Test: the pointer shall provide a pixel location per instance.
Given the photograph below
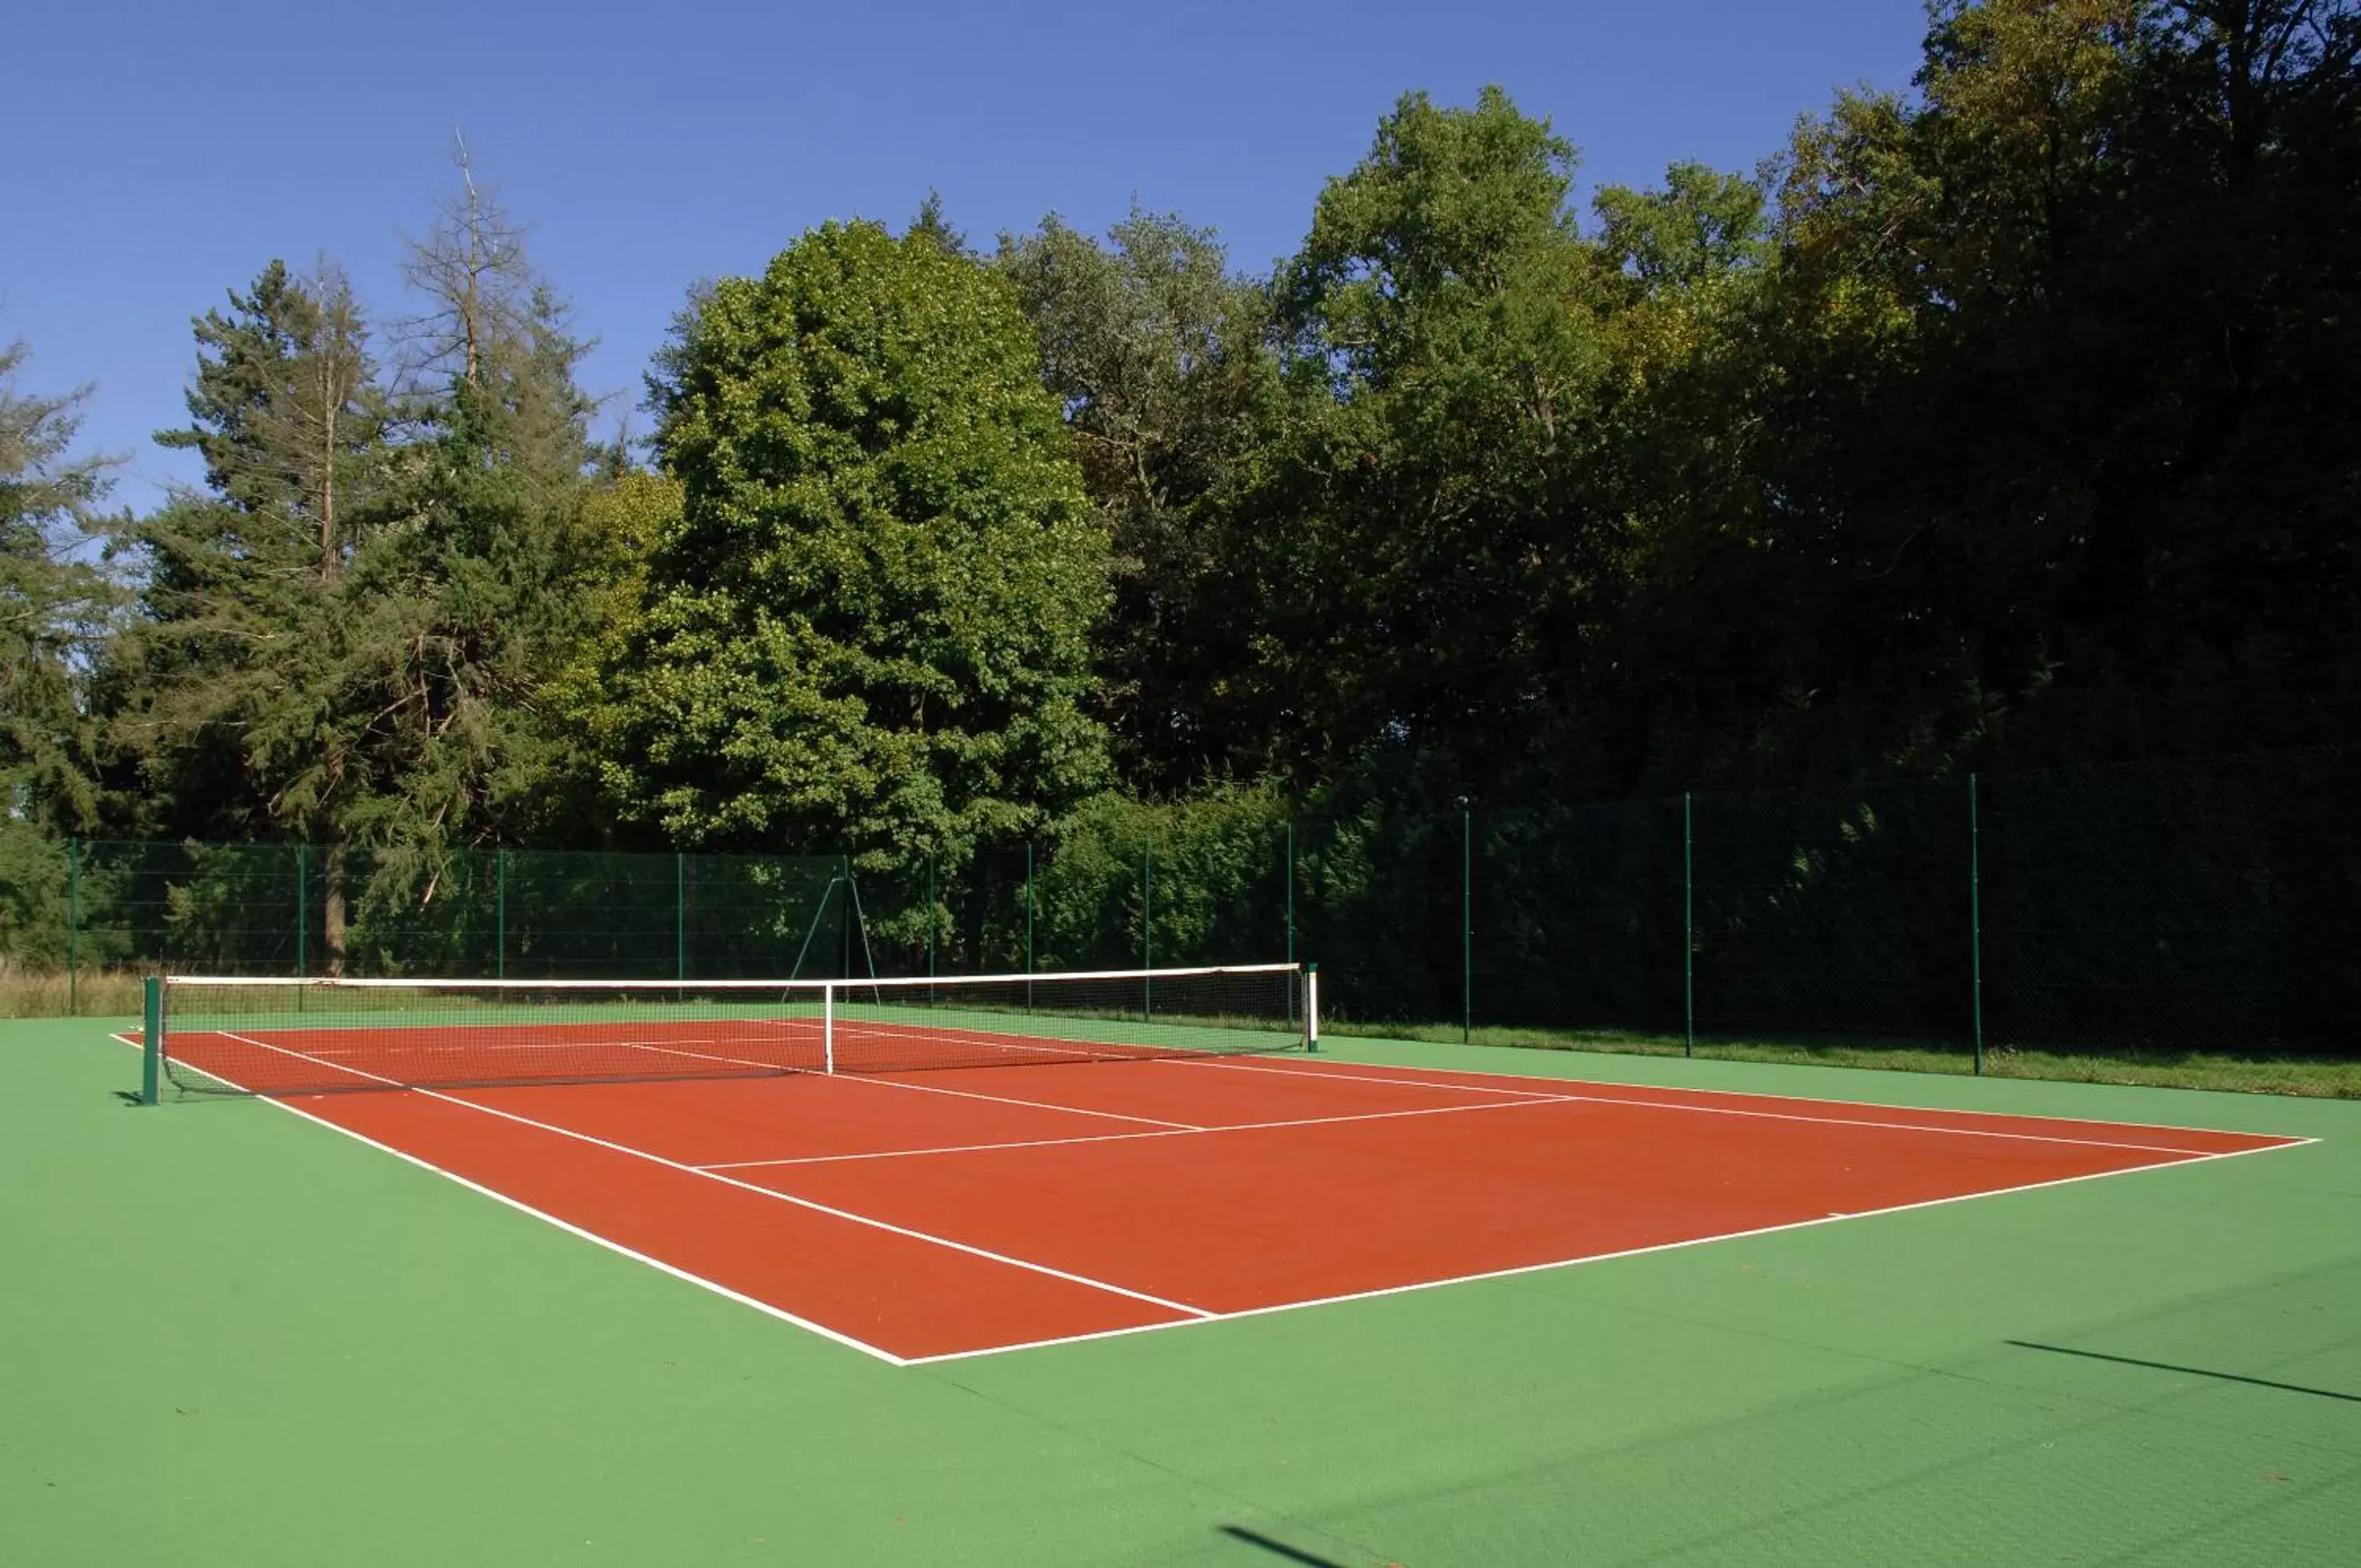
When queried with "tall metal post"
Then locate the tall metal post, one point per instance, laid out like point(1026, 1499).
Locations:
point(1688, 924)
point(680, 915)
point(1290, 891)
point(303, 909)
point(500, 914)
point(931, 917)
point(1028, 923)
point(1291, 905)
point(1976, 921)
point(1146, 928)
point(73, 927)
point(1466, 926)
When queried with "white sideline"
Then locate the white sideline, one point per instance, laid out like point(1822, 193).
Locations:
point(1766, 1116)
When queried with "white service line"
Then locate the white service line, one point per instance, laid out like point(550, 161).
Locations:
point(1771, 1115)
point(1163, 1133)
point(1004, 1100)
point(885, 1225)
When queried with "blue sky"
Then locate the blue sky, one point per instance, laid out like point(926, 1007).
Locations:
point(162, 153)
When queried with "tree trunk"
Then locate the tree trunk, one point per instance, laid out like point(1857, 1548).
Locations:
point(332, 909)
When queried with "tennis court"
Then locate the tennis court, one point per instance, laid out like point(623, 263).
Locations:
point(1703, 1326)
point(800, 1150)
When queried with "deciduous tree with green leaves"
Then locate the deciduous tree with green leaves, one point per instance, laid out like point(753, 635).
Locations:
point(1158, 355)
point(870, 623)
point(1433, 541)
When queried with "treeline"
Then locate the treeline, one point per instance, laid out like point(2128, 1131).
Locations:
point(2005, 422)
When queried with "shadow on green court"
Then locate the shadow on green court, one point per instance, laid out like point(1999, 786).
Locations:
point(2189, 1371)
point(1280, 1548)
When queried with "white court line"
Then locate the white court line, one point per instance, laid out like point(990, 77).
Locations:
point(1785, 1116)
point(1271, 1064)
point(1525, 1105)
point(571, 1229)
point(1004, 1100)
point(889, 1226)
point(1277, 1307)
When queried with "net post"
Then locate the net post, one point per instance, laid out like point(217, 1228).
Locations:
point(933, 917)
point(73, 927)
point(1312, 1009)
point(1147, 929)
point(1688, 923)
point(1976, 923)
point(152, 1040)
point(1028, 924)
point(680, 915)
point(828, 1026)
point(500, 913)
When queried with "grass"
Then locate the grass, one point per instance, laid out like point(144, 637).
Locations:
point(51, 993)
point(2312, 1077)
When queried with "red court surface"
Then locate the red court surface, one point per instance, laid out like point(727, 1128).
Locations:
point(938, 1214)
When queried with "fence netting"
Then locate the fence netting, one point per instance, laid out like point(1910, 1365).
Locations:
point(2212, 905)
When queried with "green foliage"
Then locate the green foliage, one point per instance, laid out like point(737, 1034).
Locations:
point(1158, 355)
point(350, 634)
point(1208, 869)
point(1432, 546)
point(52, 603)
point(871, 622)
point(1701, 225)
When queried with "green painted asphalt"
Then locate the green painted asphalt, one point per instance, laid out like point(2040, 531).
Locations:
point(229, 1336)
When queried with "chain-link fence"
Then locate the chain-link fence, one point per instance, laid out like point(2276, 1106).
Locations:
point(2199, 905)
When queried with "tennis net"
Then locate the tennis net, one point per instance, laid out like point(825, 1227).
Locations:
point(214, 1035)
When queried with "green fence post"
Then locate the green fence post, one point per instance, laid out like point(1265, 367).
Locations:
point(1146, 928)
point(1028, 923)
point(1688, 924)
point(73, 927)
point(1466, 926)
point(680, 914)
point(499, 915)
point(931, 916)
point(1290, 891)
point(1290, 903)
point(152, 1040)
point(1976, 922)
point(302, 910)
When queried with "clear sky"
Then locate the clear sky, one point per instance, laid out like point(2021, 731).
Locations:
point(159, 154)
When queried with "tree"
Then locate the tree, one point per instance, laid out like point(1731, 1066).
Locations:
point(220, 691)
point(54, 610)
point(868, 625)
point(352, 635)
point(1156, 354)
point(1433, 544)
